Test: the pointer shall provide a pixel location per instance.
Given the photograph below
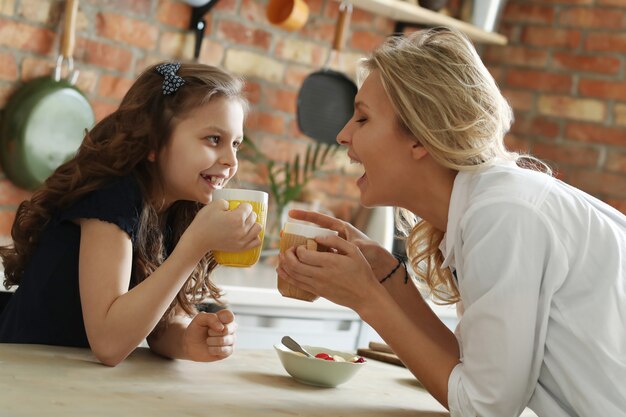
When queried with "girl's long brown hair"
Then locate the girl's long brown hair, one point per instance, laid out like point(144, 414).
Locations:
point(119, 146)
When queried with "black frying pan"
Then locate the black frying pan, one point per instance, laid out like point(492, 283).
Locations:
point(45, 120)
point(326, 98)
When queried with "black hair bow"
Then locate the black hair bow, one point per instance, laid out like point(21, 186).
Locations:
point(172, 82)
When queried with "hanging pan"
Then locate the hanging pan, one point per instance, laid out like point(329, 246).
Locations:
point(45, 120)
point(326, 98)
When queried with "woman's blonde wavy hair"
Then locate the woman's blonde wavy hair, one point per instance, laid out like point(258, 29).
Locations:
point(445, 97)
point(119, 146)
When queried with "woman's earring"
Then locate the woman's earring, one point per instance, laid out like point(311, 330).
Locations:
point(151, 156)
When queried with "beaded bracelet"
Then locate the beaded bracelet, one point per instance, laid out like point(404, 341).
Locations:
point(395, 268)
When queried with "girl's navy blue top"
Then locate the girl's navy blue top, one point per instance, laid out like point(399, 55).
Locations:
point(46, 308)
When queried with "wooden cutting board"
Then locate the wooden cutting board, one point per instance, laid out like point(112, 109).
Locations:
point(380, 352)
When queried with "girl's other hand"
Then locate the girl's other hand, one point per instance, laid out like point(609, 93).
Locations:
point(210, 336)
point(379, 259)
point(217, 228)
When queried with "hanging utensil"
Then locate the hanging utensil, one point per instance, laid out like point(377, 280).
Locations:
point(45, 120)
point(197, 22)
point(326, 98)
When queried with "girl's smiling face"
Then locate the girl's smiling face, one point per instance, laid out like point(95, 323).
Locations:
point(375, 139)
point(201, 154)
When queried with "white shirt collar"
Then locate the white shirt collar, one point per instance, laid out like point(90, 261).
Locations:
point(458, 205)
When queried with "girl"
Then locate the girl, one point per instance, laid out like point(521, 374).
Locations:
point(537, 268)
point(116, 245)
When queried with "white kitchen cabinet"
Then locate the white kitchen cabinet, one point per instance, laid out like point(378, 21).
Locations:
point(264, 316)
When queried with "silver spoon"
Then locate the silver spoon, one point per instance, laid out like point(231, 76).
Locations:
point(293, 345)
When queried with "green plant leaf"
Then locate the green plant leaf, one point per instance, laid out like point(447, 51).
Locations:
point(296, 170)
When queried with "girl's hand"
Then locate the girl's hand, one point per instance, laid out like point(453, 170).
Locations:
point(344, 277)
point(217, 228)
point(380, 260)
point(210, 337)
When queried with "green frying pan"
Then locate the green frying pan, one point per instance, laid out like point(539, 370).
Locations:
point(44, 122)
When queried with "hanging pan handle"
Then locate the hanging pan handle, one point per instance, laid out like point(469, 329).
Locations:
point(343, 22)
point(68, 42)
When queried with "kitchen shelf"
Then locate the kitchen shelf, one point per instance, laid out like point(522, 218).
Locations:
point(403, 11)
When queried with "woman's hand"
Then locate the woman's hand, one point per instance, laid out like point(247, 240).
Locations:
point(344, 277)
point(380, 260)
point(210, 337)
point(217, 228)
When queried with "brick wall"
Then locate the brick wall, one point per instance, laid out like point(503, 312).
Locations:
point(563, 72)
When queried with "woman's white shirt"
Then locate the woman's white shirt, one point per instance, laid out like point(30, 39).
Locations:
point(541, 269)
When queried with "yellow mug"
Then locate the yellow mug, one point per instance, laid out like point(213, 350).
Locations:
point(258, 201)
point(296, 234)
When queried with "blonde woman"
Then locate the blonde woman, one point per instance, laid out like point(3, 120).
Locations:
point(537, 268)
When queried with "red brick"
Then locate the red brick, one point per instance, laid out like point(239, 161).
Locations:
point(281, 99)
point(366, 41)
point(618, 3)
point(517, 55)
point(26, 37)
point(528, 13)
point(226, 6)
point(140, 7)
point(114, 87)
point(36, 67)
point(618, 203)
point(315, 7)
point(46, 12)
point(103, 55)
point(572, 108)
point(126, 30)
point(539, 80)
point(87, 80)
point(519, 100)
point(244, 35)
point(586, 63)
point(516, 143)
point(103, 108)
point(266, 122)
point(603, 89)
point(319, 30)
point(550, 37)
point(606, 41)
point(253, 92)
point(171, 13)
point(536, 126)
point(11, 195)
point(7, 217)
point(564, 154)
point(592, 18)
point(599, 183)
point(295, 75)
point(616, 162)
point(572, 2)
point(253, 11)
point(280, 150)
point(8, 67)
point(250, 172)
point(211, 53)
point(589, 132)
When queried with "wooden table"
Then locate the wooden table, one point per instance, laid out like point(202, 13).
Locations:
point(57, 381)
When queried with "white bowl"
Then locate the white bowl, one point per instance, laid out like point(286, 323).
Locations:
point(318, 372)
